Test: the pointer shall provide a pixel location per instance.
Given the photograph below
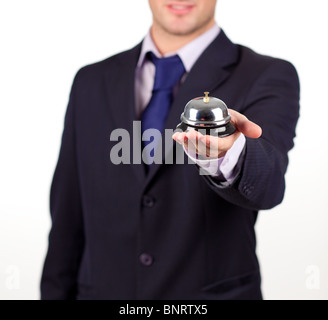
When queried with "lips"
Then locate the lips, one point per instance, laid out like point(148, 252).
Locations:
point(180, 8)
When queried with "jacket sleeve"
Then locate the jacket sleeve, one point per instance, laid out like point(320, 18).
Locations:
point(66, 238)
point(272, 103)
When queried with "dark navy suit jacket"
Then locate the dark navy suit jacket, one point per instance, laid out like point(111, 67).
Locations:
point(118, 233)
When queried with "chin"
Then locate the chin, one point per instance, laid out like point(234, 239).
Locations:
point(181, 29)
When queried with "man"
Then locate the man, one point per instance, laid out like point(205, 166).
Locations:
point(160, 231)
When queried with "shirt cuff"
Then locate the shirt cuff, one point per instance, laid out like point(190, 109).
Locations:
point(222, 168)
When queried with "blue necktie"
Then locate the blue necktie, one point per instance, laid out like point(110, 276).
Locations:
point(168, 73)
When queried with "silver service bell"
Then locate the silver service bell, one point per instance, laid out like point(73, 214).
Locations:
point(207, 113)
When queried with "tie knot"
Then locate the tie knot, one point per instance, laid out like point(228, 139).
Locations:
point(169, 70)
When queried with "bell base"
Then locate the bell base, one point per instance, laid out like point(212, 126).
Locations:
point(221, 131)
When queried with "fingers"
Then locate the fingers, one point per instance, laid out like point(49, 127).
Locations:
point(219, 143)
point(206, 146)
point(188, 139)
point(194, 141)
point(179, 137)
point(247, 127)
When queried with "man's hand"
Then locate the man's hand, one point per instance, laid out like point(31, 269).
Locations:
point(211, 147)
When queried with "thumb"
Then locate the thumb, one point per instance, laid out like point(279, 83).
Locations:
point(245, 126)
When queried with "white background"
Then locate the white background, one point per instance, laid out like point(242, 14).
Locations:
point(43, 43)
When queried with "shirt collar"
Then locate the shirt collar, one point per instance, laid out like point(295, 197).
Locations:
point(188, 53)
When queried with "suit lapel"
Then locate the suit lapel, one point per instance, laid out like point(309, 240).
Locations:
point(208, 73)
point(120, 87)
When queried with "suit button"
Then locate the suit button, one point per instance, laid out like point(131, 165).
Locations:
point(148, 201)
point(146, 259)
point(245, 189)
